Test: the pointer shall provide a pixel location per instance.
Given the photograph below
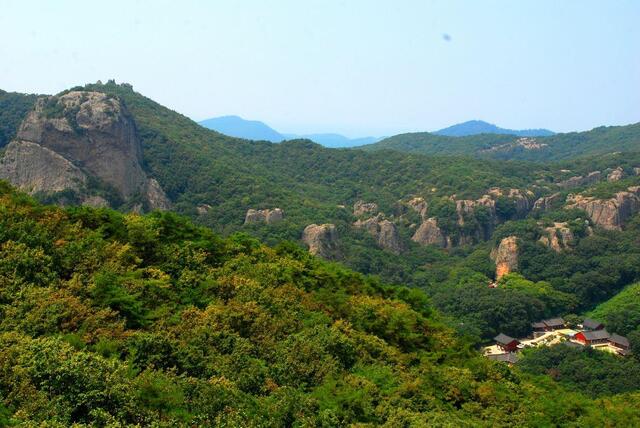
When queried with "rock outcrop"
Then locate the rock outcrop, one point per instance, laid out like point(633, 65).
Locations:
point(557, 237)
point(361, 208)
point(547, 203)
point(420, 206)
point(608, 213)
point(506, 256)
point(578, 181)
point(430, 234)
point(615, 175)
point(37, 169)
point(268, 216)
point(384, 231)
point(83, 134)
point(322, 240)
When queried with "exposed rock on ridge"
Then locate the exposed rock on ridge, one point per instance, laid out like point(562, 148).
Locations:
point(268, 216)
point(608, 213)
point(430, 234)
point(557, 237)
point(506, 256)
point(384, 231)
point(96, 136)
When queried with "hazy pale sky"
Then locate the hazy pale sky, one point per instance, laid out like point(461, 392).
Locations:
point(359, 67)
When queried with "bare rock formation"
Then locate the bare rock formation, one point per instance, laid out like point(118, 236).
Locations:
point(578, 181)
point(608, 213)
point(91, 134)
point(36, 169)
point(420, 206)
point(384, 231)
point(557, 237)
point(322, 240)
point(430, 234)
point(203, 209)
point(361, 208)
point(547, 203)
point(506, 256)
point(615, 175)
point(268, 216)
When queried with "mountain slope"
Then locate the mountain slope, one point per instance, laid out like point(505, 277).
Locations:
point(557, 147)
point(474, 127)
point(236, 126)
point(13, 108)
point(335, 140)
point(115, 319)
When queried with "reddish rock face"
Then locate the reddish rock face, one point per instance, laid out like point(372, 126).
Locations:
point(506, 256)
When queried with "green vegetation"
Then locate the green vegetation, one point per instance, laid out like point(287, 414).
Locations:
point(594, 372)
point(13, 108)
point(621, 313)
point(114, 319)
point(598, 141)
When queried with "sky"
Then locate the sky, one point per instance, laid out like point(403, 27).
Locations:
point(358, 67)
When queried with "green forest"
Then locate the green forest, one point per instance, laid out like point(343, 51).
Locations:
point(113, 319)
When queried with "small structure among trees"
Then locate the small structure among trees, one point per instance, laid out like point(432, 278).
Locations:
point(589, 324)
point(506, 343)
point(550, 324)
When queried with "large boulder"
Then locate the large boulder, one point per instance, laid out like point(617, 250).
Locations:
point(430, 234)
point(322, 240)
point(506, 256)
point(557, 237)
point(384, 231)
point(608, 213)
point(96, 137)
point(361, 208)
point(268, 216)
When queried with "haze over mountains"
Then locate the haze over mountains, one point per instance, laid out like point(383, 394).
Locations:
point(474, 127)
point(235, 126)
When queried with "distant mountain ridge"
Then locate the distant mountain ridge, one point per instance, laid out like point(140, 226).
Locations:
point(235, 126)
point(475, 127)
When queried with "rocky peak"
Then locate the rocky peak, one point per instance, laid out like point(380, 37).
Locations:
point(89, 134)
point(361, 208)
point(384, 231)
point(268, 216)
point(322, 240)
point(608, 213)
point(579, 180)
point(506, 256)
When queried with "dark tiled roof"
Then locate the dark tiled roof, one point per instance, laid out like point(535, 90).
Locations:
point(538, 325)
point(619, 340)
point(591, 324)
point(596, 335)
point(504, 339)
point(510, 357)
point(553, 322)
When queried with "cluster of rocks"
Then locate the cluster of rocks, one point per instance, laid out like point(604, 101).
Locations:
point(69, 139)
point(361, 208)
point(557, 237)
point(268, 216)
point(384, 231)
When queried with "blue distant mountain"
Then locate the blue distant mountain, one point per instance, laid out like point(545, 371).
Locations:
point(236, 126)
point(474, 127)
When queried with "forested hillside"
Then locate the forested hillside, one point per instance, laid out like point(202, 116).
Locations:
point(13, 108)
point(543, 148)
point(113, 319)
